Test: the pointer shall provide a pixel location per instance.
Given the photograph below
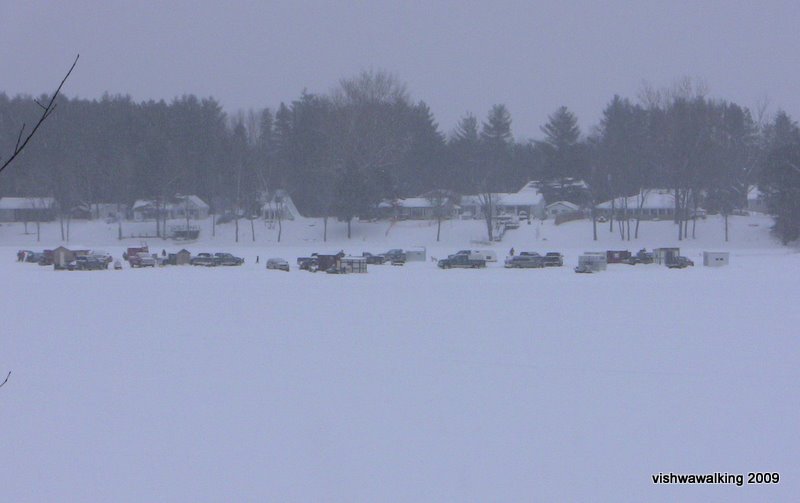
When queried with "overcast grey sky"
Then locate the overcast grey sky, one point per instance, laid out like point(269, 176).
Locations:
point(456, 56)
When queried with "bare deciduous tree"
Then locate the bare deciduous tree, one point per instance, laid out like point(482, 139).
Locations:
point(47, 110)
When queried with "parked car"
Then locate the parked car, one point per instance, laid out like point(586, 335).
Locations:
point(117, 265)
point(308, 264)
point(46, 258)
point(395, 256)
point(461, 261)
point(553, 259)
point(680, 262)
point(641, 257)
point(142, 259)
point(278, 264)
point(525, 262)
point(583, 269)
point(227, 259)
point(601, 219)
point(101, 255)
point(374, 259)
point(34, 257)
point(88, 263)
point(205, 259)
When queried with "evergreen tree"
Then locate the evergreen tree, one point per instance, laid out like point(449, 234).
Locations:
point(780, 178)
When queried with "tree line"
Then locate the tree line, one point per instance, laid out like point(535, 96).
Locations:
point(339, 154)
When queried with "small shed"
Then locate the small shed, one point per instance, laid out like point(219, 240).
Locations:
point(715, 259)
point(418, 254)
point(596, 261)
point(62, 256)
point(183, 257)
point(664, 256)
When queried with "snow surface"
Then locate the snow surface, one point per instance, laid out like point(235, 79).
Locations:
point(404, 384)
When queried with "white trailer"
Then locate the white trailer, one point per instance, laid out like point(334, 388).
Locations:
point(715, 259)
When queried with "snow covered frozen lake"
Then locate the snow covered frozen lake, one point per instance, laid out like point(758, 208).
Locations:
point(405, 384)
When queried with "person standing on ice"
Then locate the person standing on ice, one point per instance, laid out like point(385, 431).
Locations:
point(511, 251)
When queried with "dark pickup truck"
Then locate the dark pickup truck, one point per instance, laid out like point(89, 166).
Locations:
point(204, 259)
point(460, 261)
point(227, 259)
point(680, 262)
point(553, 259)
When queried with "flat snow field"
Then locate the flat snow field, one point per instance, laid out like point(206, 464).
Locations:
point(406, 384)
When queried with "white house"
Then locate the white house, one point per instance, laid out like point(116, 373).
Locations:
point(560, 208)
point(415, 208)
point(27, 209)
point(178, 207)
point(653, 204)
point(280, 204)
point(755, 200)
point(528, 199)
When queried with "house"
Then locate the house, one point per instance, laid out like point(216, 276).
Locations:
point(27, 209)
point(527, 201)
point(756, 201)
point(552, 210)
point(100, 211)
point(649, 204)
point(178, 207)
point(418, 208)
point(279, 206)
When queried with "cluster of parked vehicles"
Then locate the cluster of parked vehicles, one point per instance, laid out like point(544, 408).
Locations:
point(217, 259)
point(340, 263)
point(533, 260)
point(83, 260)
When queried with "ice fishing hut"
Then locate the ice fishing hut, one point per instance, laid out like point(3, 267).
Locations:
point(715, 259)
point(665, 256)
point(62, 256)
point(353, 264)
point(416, 254)
point(596, 261)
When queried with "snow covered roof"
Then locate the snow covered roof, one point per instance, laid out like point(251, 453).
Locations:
point(653, 199)
point(414, 202)
point(26, 203)
point(142, 203)
point(409, 202)
point(528, 195)
point(753, 194)
point(195, 201)
point(568, 204)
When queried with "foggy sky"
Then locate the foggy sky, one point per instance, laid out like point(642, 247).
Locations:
point(456, 56)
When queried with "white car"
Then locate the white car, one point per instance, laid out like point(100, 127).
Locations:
point(278, 263)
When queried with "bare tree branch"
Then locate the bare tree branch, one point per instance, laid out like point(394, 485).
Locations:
point(3, 383)
point(51, 105)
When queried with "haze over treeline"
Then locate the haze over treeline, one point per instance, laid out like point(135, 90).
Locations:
point(341, 153)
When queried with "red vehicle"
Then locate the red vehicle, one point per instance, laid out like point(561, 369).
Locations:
point(133, 252)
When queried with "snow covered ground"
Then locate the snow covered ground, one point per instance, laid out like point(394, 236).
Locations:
point(405, 384)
